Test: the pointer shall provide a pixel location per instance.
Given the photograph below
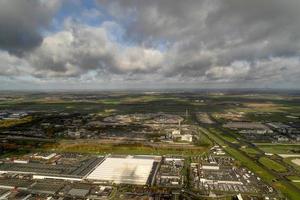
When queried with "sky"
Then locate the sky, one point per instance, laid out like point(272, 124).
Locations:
point(143, 44)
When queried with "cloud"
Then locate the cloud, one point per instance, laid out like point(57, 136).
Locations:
point(205, 37)
point(21, 23)
point(91, 13)
point(12, 66)
point(79, 49)
point(236, 70)
point(142, 42)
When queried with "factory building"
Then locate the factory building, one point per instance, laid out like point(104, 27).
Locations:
point(124, 170)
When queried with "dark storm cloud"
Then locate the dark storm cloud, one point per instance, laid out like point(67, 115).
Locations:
point(228, 30)
point(21, 22)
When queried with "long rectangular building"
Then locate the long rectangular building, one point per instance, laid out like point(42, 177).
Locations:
point(124, 170)
point(75, 171)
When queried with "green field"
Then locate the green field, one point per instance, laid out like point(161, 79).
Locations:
point(285, 187)
point(279, 148)
point(133, 149)
point(265, 175)
point(289, 161)
point(229, 138)
point(271, 164)
point(250, 151)
point(14, 122)
point(226, 137)
point(203, 140)
point(242, 158)
point(294, 178)
point(256, 107)
point(297, 184)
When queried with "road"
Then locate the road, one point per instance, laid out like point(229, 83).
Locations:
point(292, 190)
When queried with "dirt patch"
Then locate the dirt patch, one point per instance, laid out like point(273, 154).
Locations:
point(296, 161)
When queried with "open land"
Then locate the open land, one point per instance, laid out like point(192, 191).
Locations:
point(200, 142)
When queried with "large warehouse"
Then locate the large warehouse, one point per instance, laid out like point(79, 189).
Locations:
point(124, 170)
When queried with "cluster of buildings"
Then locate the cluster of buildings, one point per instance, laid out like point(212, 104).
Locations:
point(152, 126)
point(267, 132)
point(147, 118)
point(77, 176)
point(170, 173)
point(158, 127)
point(23, 187)
point(44, 125)
point(251, 127)
point(176, 135)
point(215, 174)
point(52, 175)
point(12, 115)
point(286, 132)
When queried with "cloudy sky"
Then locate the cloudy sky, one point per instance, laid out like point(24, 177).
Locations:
point(124, 44)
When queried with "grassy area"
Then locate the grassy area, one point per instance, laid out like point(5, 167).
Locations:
point(280, 148)
point(291, 178)
point(273, 116)
point(203, 140)
point(138, 99)
point(295, 178)
point(289, 161)
point(247, 162)
point(289, 191)
point(229, 138)
point(250, 151)
point(285, 187)
point(224, 136)
point(15, 153)
point(113, 193)
point(242, 158)
point(133, 149)
point(14, 122)
point(297, 184)
point(271, 164)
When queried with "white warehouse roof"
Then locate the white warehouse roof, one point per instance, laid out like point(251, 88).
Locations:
point(128, 170)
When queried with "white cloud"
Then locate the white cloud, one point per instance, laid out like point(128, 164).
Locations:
point(79, 49)
point(144, 43)
point(12, 66)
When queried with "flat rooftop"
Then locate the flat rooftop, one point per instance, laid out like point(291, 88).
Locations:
point(124, 170)
point(245, 125)
point(78, 169)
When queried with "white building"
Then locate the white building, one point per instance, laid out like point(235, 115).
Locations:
point(210, 167)
point(187, 137)
point(176, 134)
point(44, 157)
point(128, 170)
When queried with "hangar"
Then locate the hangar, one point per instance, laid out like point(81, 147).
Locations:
point(124, 170)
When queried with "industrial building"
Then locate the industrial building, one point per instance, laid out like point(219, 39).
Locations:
point(63, 167)
point(245, 125)
point(125, 170)
point(136, 170)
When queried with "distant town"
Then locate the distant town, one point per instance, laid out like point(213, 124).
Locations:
point(175, 145)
